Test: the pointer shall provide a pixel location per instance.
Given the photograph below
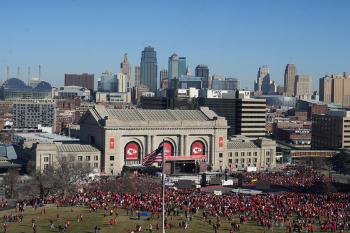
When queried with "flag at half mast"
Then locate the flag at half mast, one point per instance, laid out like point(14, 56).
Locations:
point(155, 156)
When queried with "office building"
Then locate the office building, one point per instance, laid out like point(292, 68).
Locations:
point(81, 80)
point(149, 68)
point(192, 138)
point(176, 66)
point(203, 71)
point(32, 115)
point(331, 131)
point(303, 86)
point(262, 83)
point(225, 84)
point(72, 92)
point(45, 156)
point(164, 79)
point(245, 153)
point(107, 82)
point(245, 117)
point(125, 69)
point(137, 76)
point(113, 97)
point(289, 79)
point(185, 82)
point(335, 89)
point(122, 81)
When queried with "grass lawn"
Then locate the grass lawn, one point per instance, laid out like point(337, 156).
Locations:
point(124, 223)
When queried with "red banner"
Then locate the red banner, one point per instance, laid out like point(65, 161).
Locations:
point(168, 149)
point(111, 143)
point(132, 151)
point(197, 148)
point(221, 142)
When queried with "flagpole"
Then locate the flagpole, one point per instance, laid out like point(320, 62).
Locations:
point(163, 189)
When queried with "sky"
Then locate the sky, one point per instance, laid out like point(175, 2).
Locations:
point(232, 37)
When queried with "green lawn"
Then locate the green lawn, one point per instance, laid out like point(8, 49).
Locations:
point(123, 225)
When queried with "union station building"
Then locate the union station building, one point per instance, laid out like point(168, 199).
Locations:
point(193, 139)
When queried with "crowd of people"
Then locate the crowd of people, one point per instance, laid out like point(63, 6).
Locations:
point(289, 177)
point(293, 212)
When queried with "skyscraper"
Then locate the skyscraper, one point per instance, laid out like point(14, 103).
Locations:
point(164, 78)
point(149, 68)
point(289, 79)
point(125, 68)
point(137, 76)
point(107, 82)
point(335, 89)
point(122, 82)
point(263, 82)
point(303, 86)
point(203, 71)
point(176, 66)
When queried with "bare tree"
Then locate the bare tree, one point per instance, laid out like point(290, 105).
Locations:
point(11, 182)
point(62, 176)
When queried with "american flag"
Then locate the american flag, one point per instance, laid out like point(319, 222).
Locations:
point(153, 157)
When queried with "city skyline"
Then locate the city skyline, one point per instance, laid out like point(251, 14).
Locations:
point(88, 39)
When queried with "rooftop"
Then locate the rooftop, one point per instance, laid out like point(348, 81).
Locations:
point(76, 148)
point(45, 137)
point(155, 115)
point(238, 144)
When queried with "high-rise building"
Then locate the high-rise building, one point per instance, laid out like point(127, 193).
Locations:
point(303, 86)
point(330, 131)
point(81, 80)
point(225, 84)
point(125, 68)
point(203, 71)
point(289, 79)
point(335, 89)
point(137, 76)
point(122, 82)
point(34, 115)
point(263, 82)
point(107, 82)
point(149, 68)
point(244, 116)
point(164, 79)
point(176, 66)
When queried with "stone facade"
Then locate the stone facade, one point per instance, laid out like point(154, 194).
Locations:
point(46, 155)
point(243, 152)
point(197, 136)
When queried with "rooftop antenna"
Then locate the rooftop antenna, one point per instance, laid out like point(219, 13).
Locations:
point(18, 72)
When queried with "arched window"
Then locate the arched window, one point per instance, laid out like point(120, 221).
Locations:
point(132, 151)
point(168, 148)
point(197, 148)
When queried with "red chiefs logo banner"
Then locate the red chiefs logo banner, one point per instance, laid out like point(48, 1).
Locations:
point(168, 149)
point(197, 148)
point(132, 151)
point(221, 142)
point(111, 143)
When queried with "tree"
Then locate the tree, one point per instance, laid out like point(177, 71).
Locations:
point(11, 181)
point(62, 176)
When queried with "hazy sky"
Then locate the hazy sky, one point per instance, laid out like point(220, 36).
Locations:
point(232, 37)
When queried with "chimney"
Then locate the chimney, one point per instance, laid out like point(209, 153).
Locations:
point(29, 74)
point(7, 72)
point(39, 72)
